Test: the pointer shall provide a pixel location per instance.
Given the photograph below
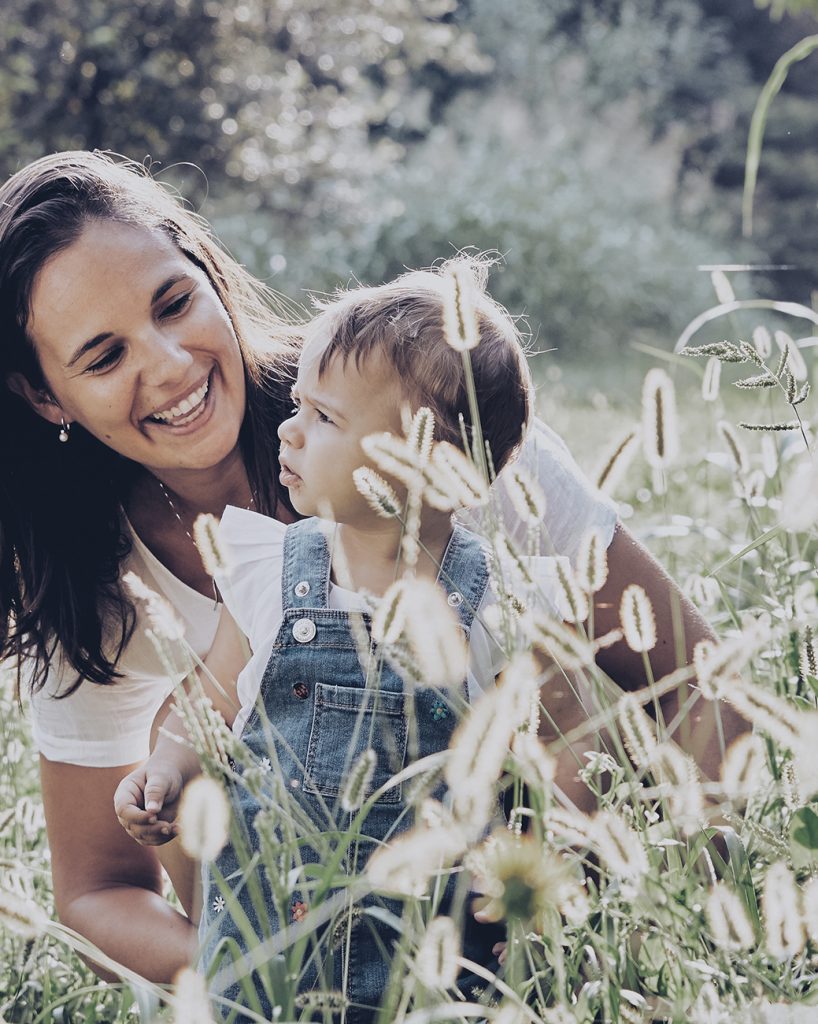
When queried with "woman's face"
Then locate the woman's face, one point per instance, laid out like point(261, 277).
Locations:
point(137, 348)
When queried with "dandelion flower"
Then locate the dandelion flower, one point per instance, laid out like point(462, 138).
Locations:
point(379, 494)
point(206, 539)
point(730, 928)
point(204, 819)
point(783, 923)
point(359, 780)
point(660, 437)
point(637, 618)
point(436, 961)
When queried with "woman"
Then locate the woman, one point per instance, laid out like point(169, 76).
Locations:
point(146, 377)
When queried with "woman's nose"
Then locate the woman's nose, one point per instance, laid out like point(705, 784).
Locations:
point(166, 360)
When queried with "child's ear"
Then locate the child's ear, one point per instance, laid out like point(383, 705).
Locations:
point(39, 399)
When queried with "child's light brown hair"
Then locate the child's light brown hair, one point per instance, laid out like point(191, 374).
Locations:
point(404, 320)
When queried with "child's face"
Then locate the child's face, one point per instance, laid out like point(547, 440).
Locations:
point(320, 443)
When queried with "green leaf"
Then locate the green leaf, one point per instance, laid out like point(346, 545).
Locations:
point(804, 838)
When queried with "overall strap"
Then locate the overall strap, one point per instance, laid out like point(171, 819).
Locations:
point(464, 573)
point(305, 576)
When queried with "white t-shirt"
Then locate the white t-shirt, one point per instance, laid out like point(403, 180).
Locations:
point(101, 726)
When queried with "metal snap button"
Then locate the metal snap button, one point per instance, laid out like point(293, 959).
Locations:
point(454, 599)
point(301, 691)
point(304, 630)
point(302, 589)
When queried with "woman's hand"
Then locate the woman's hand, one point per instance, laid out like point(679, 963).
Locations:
point(146, 801)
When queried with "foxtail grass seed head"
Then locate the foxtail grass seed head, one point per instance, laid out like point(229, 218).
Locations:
point(678, 778)
point(805, 755)
point(389, 620)
point(436, 961)
point(783, 924)
point(190, 1001)
point(460, 326)
point(762, 339)
point(638, 732)
point(380, 495)
point(452, 480)
point(768, 712)
point(561, 643)
point(592, 562)
point(394, 456)
point(526, 495)
point(537, 766)
point(162, 619)
point(722, 287)
point(573, 828)
point(711, 379)
point(660, 432)
point(572, 600)
point(421, 434)
point(206, 539)
point(738, 453)
point(406, 865)
point(809, 901)
point(789, 786)
point(744, 768)
point(204, 819)
point(619, 847)
point(617, 461)
point(476, 755)
point(359, 781)
point(328, 1000)
point(795, 360)
point(435, 637)
point(20, 915)
point(799, 502)
point(730, 928)
point(769, 455)
point(637, 619)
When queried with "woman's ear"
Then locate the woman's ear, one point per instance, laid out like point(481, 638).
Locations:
point(39, 399)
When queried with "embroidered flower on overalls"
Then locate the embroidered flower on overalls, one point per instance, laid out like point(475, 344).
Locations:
point(299, 910)
point(218, 904)
point(439, 709)
point(266, 764)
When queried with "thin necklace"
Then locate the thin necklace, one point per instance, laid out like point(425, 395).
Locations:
point(250, 505)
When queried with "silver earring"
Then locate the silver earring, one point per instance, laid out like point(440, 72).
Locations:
point(65, 429)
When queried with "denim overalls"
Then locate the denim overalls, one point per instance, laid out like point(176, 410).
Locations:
point(314, 716)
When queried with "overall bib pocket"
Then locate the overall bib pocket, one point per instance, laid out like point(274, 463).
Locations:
point(346, 721)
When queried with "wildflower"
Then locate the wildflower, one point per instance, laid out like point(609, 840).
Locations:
point(389, 619)
point(574, 604)
point(808, 654)
point(521, 881)
point(616, 462)
point(359, 780)
point(678, 777)
point(737, 450)
point(710, 381)
point(298, 910)
point(567, 648)
point(744, 768)
point(190, 1001)
point(636, 616)
point(763, 341)
point(730, 928)
point(436, 961)
point(459, 308)
point(379, 494)
point(769, 712)
point(783, 923)
point(161, 617)
point(660, 439)
point(206, 539)
point(21, 915)
point(526, 495)
point(637, 730)
point(592, 562)
point(452, 480)
point(619, 846)
point(204, 819)
point(434, 634)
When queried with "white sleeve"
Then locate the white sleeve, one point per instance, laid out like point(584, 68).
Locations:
point(573, 505)
point(253, 547)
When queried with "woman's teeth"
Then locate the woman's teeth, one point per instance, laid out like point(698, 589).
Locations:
point(186, 410)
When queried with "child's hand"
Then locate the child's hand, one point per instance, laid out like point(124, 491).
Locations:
point(145, 802)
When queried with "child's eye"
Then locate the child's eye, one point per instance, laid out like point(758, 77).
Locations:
point(177, 306)
point(322, 417)
point(111, 357)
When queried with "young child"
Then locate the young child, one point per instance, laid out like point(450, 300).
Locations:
point(294, 591)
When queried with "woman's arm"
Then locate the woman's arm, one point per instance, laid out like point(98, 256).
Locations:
point(106, 886)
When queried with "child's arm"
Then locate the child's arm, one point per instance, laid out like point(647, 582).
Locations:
point(146, 800)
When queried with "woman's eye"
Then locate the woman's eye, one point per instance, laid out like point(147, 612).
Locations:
point(177, 306)
point(111, 357)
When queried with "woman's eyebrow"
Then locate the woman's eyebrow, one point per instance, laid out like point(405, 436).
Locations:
point(89, 346)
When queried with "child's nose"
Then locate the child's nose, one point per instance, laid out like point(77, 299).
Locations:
point(288, 432)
